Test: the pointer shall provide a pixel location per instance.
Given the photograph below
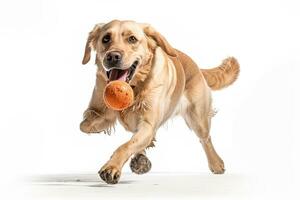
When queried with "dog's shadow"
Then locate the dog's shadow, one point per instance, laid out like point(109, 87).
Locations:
point(88, 180)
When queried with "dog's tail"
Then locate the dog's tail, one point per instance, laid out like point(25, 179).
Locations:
point(222, 76)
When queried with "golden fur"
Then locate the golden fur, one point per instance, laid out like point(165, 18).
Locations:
point(166, 83)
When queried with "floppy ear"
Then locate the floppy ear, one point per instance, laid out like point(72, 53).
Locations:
point(91, 42)
point(159, 39)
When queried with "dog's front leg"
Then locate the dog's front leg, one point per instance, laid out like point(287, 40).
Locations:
point(97, 121)
point(98, 117)
point(111, 171)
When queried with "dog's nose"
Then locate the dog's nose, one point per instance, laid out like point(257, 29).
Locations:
point(113, 58)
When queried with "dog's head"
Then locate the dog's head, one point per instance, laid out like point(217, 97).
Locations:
point(124, 47)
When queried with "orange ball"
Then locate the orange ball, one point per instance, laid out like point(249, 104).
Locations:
point(118, 95)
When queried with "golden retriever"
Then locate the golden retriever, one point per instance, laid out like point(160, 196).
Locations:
point(166, 82)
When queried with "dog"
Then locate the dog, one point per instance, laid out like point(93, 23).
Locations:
point(166, 82)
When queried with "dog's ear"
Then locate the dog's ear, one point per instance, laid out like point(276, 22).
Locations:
point(159, 39)
point(91, 42)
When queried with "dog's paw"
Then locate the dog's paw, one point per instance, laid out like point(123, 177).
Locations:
point(88, 126)
point(91, 123)
point(140, 164)
point(217, 166)
point(110, 174)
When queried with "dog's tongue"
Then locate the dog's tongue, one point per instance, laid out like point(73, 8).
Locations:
point(117, 74)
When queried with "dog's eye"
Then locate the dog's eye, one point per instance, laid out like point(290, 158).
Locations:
point(132, 39)
point(106, 39)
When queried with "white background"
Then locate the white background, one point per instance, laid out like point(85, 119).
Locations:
point(45, 89)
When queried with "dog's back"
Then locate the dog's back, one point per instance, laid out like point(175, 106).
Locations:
point(216, 78)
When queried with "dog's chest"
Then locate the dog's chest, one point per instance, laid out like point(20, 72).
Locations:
point(131, 117)
point(129, 120)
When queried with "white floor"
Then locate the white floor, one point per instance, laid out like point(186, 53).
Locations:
point(131, 186)
point(154, 186)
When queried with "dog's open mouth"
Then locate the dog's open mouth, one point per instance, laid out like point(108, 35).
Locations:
point(122, 75)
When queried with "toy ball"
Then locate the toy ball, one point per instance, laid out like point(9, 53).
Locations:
point(118, 95)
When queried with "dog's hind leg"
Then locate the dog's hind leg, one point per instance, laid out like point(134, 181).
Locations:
point(197, 114)
point(140, 164)
point(201, 126)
